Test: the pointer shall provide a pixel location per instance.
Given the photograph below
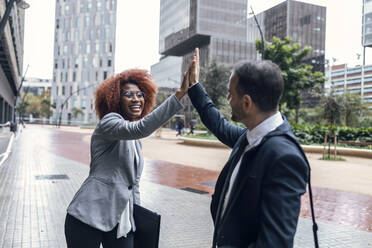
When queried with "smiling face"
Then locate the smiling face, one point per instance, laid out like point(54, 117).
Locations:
point(132, 101)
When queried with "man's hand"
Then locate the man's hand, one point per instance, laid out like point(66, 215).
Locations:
point(194, 68)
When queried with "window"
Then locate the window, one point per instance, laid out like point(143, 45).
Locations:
point(77, 91)
point(70, 90)
point(107, 33)
point(63, 63)
point(65, 49)
point(99, 5)
point(82, 7)
point(87, 21)
point(100, 62)
point(63, 90)
point(55, 64)
point(66, 76)
point(85, 63)
point(88, 48)
point(57, 90)
point(57, 23)
point(83, 104)
point(76, 63)
point(96, 75)
point(104, 75)
point(97, 47)
point(305, 20)
point(74, 76)
point(89, 6)
point(109, 62)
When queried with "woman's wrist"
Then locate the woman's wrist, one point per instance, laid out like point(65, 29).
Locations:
point(179, 94)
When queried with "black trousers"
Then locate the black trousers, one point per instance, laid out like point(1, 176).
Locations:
point(81, 235)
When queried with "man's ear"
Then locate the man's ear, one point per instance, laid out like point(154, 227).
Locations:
point(247, 102)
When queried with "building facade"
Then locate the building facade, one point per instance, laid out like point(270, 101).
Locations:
point(217, 27)
point(367, 23)
point(11, 60)
point(358, 80)
point(304, 23)
point(36, 86)
point(84, 55)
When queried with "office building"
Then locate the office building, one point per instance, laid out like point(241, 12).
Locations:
point(358, 80)
point(217, 27)
point(305, 23)
point(84, 55)
point(36, 86)
point(11, 60)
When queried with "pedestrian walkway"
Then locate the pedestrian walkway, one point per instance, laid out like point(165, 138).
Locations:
point(39, 180)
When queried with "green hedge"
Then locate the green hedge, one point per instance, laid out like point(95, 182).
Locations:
point(314, 134)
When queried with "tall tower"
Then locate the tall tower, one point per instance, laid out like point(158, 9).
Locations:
point(217, 27)
point(304, 23)
point(366, 26)
point(84, 55)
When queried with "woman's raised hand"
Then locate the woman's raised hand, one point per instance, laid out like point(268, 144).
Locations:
point(194, 68)
point(191, 76)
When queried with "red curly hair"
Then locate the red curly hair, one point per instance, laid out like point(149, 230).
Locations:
point(107, 95)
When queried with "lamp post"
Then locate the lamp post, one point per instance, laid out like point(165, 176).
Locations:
point(9, 6)
point(16, 98)
point(262, 38)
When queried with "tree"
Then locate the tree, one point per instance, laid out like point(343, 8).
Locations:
point(76, 112)
point(215, 78)
point(45, 105)
point(297, 75)
point(353, 108)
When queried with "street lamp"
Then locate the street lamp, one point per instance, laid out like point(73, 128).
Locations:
point(262, 38)
point(9, 6)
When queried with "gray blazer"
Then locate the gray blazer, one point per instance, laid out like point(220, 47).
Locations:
point(114, 174)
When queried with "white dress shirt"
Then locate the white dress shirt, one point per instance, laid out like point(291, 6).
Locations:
point(125, 224)
point(254, 138)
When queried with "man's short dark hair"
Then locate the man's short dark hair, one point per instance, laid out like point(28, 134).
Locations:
point(262, 81)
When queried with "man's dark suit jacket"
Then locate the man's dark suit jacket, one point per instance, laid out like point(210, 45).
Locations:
point(265, 201)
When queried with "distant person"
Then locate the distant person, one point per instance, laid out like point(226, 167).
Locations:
point(180, 127)
point(192, 124)
point(101, 211)
point(257, 197)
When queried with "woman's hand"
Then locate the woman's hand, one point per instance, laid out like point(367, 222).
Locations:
point(194, 68)
point(184, 86)
point(191, 76)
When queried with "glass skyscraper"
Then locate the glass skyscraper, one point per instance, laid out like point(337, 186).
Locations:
point(304, 23)
point(84, 55)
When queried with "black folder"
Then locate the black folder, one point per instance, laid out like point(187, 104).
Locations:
point(147, 228)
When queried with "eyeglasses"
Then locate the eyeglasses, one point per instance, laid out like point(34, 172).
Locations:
point(131, 94)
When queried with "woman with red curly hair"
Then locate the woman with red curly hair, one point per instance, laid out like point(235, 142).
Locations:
point(101, 212)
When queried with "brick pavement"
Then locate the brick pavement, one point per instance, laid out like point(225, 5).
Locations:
point(32, 209)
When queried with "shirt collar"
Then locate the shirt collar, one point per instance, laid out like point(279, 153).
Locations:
point(256, 134)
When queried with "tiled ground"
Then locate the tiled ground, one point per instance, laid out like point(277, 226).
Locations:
point(32, 209)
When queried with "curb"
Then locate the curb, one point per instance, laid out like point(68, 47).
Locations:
point(5, 155)
point(310, 149)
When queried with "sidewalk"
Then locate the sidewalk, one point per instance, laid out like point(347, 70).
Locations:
point(39, 179)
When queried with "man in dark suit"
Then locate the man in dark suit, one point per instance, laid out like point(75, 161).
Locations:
point(257, 197)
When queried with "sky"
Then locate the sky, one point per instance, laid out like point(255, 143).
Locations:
point(137, 33)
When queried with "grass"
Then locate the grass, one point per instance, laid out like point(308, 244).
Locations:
point(332, 158)
point(202, 136)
